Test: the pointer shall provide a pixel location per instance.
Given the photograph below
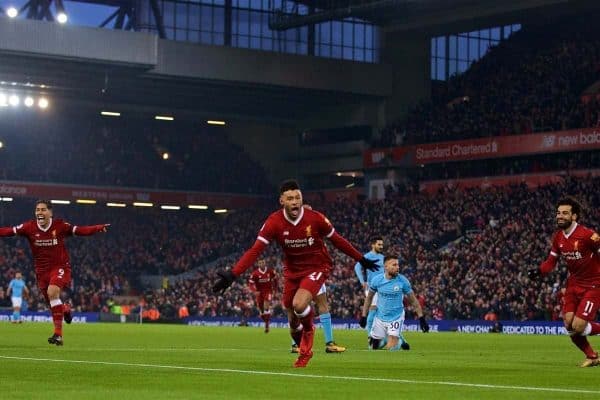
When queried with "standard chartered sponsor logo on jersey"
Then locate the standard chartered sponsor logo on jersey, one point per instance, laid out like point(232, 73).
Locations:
point(295, 243)
point(572, 255)
point(46, 242)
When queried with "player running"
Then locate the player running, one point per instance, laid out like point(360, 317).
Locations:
point(264, 281)
point(46, 238)
point(306, 262)
point(579, 246)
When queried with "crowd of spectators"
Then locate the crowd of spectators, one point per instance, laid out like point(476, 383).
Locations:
point(139, 241)
point(465, 252)
point(88, 148)
point(500, 233)
point(531, 82)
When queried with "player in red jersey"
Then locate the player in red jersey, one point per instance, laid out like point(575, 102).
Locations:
point(264, 282)
point(46, 238)
point(579, 246)
point(306, 263)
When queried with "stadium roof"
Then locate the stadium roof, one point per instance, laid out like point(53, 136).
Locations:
point(436, 15)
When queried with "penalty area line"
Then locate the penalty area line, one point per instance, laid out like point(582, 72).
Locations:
point(288, 374)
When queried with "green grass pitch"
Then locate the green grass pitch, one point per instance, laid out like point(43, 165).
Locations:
point(126, 361)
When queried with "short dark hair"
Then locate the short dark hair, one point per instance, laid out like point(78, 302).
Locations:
point(390, 257)
point(570, 201)
point(46, 202)
point(376, 238)
point(288, 184)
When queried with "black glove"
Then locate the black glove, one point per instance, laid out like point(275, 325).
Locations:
point(533, 273)
point(226, 278)
point(362, 322)
point(423, 324)
point(369, 264)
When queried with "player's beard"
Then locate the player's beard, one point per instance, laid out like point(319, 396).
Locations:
point(564, 223)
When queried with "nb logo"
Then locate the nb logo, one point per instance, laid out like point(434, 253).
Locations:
point(548, 141)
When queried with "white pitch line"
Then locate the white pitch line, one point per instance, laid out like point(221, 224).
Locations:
point(334, 377)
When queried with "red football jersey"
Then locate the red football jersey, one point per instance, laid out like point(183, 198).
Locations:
point(301, 241)
point(264, 281)
point(47, 245)
point(579, 249)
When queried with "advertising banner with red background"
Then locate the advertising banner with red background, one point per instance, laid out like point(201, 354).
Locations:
point(531, 180)
point(52, 191)
point(482, 148)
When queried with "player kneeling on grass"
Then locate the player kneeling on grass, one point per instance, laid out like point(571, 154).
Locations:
point(391, 287)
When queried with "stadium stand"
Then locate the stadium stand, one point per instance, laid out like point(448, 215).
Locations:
point(532, 82)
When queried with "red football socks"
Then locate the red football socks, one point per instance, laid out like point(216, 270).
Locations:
point(582, 343)
point(57, 318)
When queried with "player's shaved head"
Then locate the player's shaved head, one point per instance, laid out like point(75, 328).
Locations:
point(390, 257)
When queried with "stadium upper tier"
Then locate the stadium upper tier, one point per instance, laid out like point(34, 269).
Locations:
point(84, 148)
point(534, 81)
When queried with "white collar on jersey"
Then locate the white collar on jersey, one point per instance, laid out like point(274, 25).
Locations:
point(297, 220)
point(573, 227)
point(46, 229)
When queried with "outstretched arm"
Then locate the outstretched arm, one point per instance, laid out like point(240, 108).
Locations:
point(249, 258)
point(89, 229)
point(7, 231)
point(344, 246)
point(227, 277)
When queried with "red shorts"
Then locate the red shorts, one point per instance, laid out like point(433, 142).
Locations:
point(584, 302)
point(58, 276)
point(261, 297)
point(312, 282)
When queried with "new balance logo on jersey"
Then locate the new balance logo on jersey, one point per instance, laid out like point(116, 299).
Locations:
point(311, 241)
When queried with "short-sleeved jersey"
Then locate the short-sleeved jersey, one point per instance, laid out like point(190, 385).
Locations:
point(301, 241)
point(390, 295)
point(16, 286)
point(579, 248)
point(263, 281)
point(47, 245)
point(359, 269)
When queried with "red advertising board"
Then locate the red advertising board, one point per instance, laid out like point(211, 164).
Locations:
point(482, 148)
point(531, 180)
point(51, 191)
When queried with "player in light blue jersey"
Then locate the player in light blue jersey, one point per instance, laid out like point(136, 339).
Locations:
point(365, 277)
point(391, 287)
point(375, 254)
point(15, 290)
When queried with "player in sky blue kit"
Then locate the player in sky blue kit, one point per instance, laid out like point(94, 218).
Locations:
point(364, 278)
point(16, 288)
point(376, 254)
point(391, 287)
